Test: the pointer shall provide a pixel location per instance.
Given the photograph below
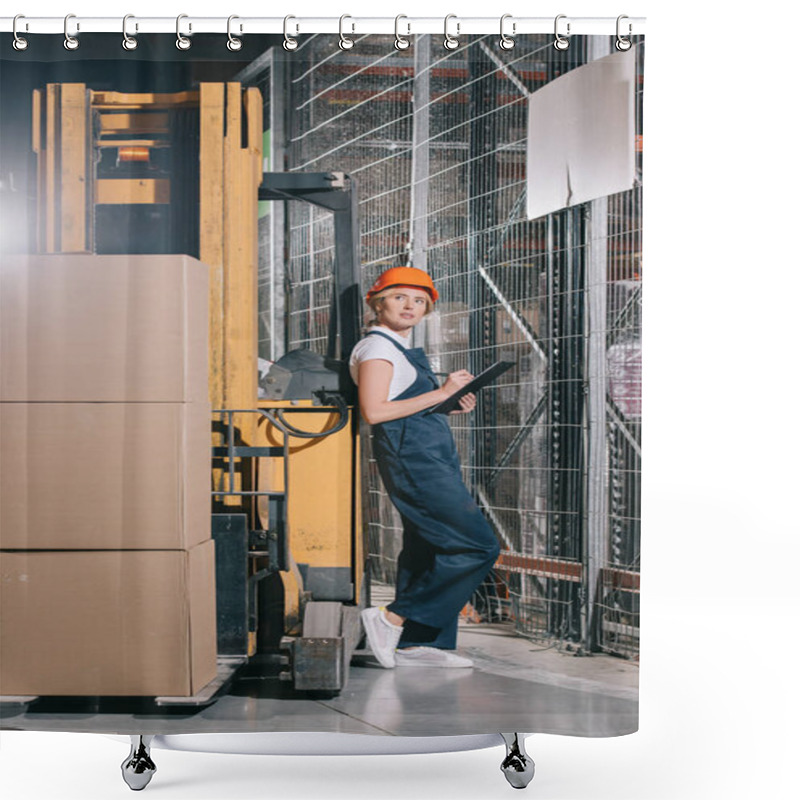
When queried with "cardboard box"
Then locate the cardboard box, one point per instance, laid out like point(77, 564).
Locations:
point(116, 476)
point(103, 328)
point(107, 623)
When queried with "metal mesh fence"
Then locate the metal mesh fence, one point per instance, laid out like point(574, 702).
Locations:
point(437, 142)
point(350, 113)
point(618, 602)
point(618, 596)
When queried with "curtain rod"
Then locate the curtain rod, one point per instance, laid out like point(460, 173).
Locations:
point(299, 25)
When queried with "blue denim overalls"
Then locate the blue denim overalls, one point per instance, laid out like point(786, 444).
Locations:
point(448, 546)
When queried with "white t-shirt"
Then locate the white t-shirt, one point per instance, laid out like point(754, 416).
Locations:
point(376, 347)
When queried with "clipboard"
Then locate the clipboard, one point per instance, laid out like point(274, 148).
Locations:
point(478, 382)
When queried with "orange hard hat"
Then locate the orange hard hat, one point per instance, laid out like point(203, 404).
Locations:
point(404, 276)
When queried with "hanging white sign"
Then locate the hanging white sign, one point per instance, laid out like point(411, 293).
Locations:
point(581, 135)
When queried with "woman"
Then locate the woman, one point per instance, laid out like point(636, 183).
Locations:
point(448, 547)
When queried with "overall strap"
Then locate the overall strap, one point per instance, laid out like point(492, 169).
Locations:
point(414, 355)
point(418, 360)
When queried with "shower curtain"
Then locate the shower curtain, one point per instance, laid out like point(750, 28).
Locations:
point(175, 558)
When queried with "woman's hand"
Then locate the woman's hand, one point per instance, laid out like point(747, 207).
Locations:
point(456, 380)
point(467, 403)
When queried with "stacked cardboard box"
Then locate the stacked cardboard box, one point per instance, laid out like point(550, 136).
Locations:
point(107, 562)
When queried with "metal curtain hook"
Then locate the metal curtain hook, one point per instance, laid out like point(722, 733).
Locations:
point(507, 42)
point(129, 42)
point(19, 43)
point(234, 44)
point(451, 42)
point(70, 42)
point(288, 42)
point(400, 42)
point(344, 42)
point(623, 43)
point(560, 42)
point(182, 43)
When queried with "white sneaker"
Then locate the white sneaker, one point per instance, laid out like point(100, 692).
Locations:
point(430, 657)
point(382, 635)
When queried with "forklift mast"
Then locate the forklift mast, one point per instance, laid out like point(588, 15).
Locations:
point(335, 192)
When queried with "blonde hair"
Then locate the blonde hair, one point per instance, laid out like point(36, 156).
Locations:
point(376, 302)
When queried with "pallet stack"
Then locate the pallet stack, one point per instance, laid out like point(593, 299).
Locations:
point(106, 557)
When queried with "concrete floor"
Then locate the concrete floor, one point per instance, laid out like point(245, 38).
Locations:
point(515, 685)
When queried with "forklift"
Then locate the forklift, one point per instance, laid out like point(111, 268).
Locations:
point(141, 173)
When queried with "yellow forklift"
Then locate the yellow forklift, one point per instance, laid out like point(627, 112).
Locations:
point(183, 173)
